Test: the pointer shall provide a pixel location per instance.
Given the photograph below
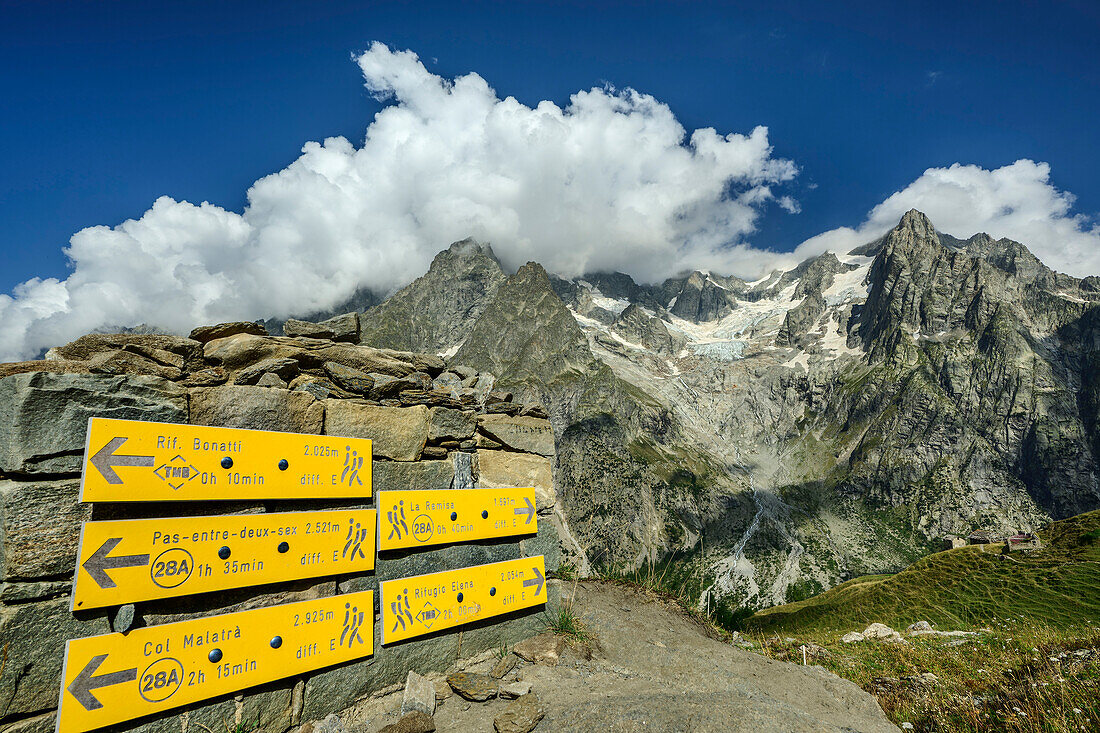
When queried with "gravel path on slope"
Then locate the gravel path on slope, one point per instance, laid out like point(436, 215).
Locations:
point(654, 669)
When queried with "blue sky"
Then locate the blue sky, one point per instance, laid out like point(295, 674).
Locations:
point(110, 105)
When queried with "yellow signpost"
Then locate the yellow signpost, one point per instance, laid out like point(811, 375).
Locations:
point(115, 677)
point(128, 460)
point(423, 604)
point(143, 559)
point(419, 518)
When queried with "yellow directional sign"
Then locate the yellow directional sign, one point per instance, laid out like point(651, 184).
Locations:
point(427, 603)
point(115, 677)
point(419, 518)
point(142, 559)
point(128, 460)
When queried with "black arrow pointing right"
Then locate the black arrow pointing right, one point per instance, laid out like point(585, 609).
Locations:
point(81, 688)
point(538, 580)
point(105, 460)
point(529, 510)
point(99, 563)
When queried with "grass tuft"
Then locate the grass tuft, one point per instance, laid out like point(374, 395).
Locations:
point(563, 621)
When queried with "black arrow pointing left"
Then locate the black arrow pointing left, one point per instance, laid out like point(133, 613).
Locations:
point(99, 563)
point(106, 460)
point(81, 688)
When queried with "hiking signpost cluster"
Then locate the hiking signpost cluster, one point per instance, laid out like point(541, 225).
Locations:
point(116, 677)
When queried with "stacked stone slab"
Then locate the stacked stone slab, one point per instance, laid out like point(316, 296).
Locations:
point(434, 426)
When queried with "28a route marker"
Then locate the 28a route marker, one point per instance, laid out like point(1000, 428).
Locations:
point(132, 560)
point(421, 518)
point(130, 460)
point(424, 604)
point(115, 677)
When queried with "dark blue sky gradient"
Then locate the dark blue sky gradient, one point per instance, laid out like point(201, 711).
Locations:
point(108, 105)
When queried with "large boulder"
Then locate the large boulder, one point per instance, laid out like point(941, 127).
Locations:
point(44, 416)
point(344, 327)
point(527, 434)
point(44, 365)
point(39, 528)
point(127, 362)
point(33, 637)
point(395, 433)
point(294, 327)
point(412, 475)
point(243, 350)
point(499, 469)
point(448, 424)
point(202, 334)
point(166, 350)
point(258, 408)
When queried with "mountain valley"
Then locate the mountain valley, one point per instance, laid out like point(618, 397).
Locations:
point(771, 439)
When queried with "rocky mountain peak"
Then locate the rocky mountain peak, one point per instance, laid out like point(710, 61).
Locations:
point(466, 253)
point(916, 222)
point(435, 312)
point(700, 298)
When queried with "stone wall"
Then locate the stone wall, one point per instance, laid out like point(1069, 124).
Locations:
point(434, 426)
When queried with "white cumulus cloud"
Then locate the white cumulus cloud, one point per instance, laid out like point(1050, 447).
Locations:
point(1016, 201)
point(611, 181)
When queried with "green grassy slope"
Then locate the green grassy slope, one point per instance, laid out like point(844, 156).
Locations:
point(964, 588)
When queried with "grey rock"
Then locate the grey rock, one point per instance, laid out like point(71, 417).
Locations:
point(386, 386)
point(463, 465)
point(527, 434)
point(330, 724)
point(521, 715)
point(920, 627)
point(31, 444)
point(33, 636)
point(46, 723)
point(415, 722)
point(464, 372)
point(419, 695)
point(209, 377)
point(412, 475)
point(33, 591)
point(125, 362)
point(542, 649)
point(40, 528)
point(165, 350)
point(547, 543)
point(395, 433)
point(203, 334)
point(350, 379)
point(447, 381)
point(256, 408)
point(504, 408)
point(498, 396)
point(271, 380)
point(344, 327)
point(515, 689)
point(54, 367)
point(499, 469)
point(294, 327)
point(448, 424)
point(285, 369)
point(123, 618)
point(473, 685)
point(503, 666)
